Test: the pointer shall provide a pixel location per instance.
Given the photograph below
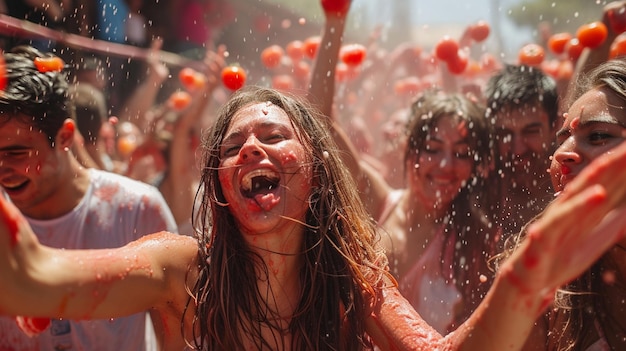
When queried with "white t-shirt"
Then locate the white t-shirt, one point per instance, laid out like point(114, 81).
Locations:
point(114, 211)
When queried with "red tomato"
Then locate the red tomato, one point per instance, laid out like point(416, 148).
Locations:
point(311, 45)
point(550, 67)
point(458, 64)
point(473, 68)
point(352, 54)
point(272, 55)
point(283, 82)
point(344, 72)
point(179, 100)
point(32, 325)
point(233, 77)
point(617, 19)
point(49, 64)
point(531, 55)
point(301, 70)
point(295, 50)
point(191, 79)
point(565, 70)
point(407, 86)
point(488, 62)
point(336, 7)
point(592, 35)
point(4, 80)
point(557, 42)
point(618, 47)
point(574, 48)
point(447, 49)
point(480, 31)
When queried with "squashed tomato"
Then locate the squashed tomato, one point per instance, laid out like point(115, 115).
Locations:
point(592, 35)
point(446, 49)
point(558, 41)
point(480, 31)
point(233, 77)
point(531, 55)
point(272, 55)
point(352, 54)
point(49, 64)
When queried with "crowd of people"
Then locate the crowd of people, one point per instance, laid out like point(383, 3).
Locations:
point(488, 214)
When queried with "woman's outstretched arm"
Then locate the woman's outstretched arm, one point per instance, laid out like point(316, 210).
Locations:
point(39, 281)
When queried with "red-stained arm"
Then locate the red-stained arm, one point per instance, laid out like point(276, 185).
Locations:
point(80, 284)
point(321, 94)
point(574, 231)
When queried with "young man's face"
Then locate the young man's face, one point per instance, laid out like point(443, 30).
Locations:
point(526, 140)
point(30, 171)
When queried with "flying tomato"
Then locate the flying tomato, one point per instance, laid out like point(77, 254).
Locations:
point(311, 45)
point(557, 42)
point(480, 31)
point(352, 54)
point(592, 35)
point(447, 49)
point(191, 79)
point(179, 100)
point(272, 55)
point(531, 54)
point(233, 77)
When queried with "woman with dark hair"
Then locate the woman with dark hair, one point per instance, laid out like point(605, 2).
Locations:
point(438, 231)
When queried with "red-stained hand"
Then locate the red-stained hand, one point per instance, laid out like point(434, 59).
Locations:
point(157, 70)
point(615, 14)
point(337, 8)
point(588, 218)
point(214, 62)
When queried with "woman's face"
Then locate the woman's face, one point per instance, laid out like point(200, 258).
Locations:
point(444, 164)
point(265, 171)
point(593, 125)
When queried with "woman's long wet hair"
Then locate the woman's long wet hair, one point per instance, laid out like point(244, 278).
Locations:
point(468, 223)
point(581, 308)
point(341, 255)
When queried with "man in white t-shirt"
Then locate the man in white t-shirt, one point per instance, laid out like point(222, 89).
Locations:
point(67, 206)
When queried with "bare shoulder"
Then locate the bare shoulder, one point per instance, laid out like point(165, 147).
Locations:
point(168, 250)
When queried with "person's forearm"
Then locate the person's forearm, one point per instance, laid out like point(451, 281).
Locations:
point(504, 319)
point(322, 85)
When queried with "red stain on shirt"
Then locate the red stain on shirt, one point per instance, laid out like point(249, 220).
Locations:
point(107, 193)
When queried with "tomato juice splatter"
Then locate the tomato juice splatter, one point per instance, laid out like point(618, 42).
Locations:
point(107, 193)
